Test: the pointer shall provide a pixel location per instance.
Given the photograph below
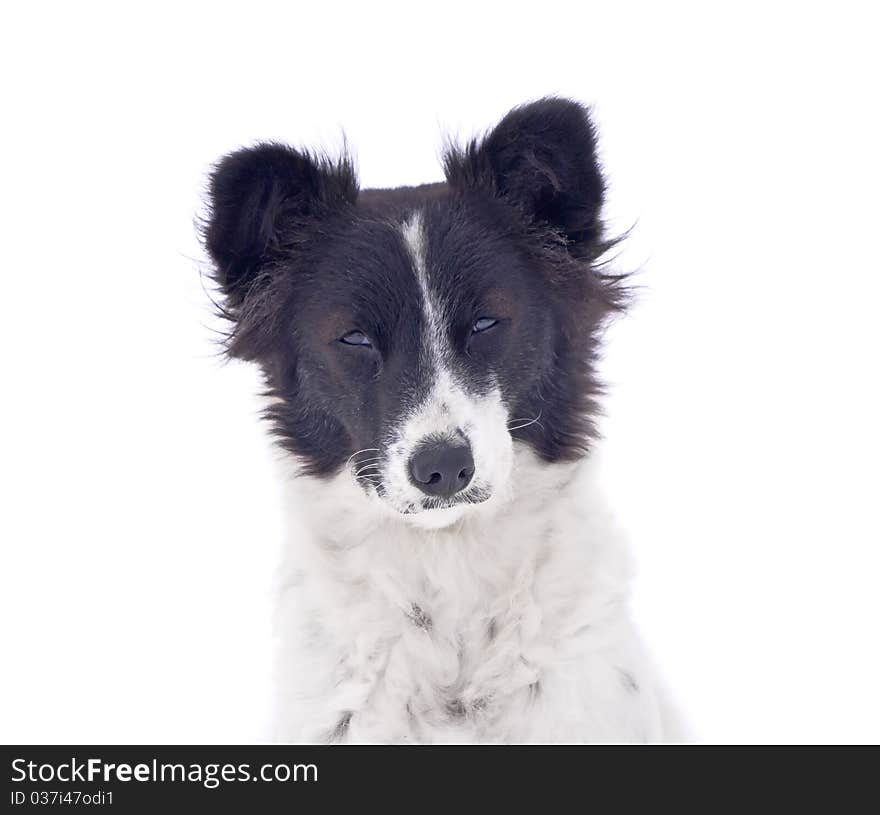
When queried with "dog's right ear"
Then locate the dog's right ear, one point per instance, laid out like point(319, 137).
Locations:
point(259, 194)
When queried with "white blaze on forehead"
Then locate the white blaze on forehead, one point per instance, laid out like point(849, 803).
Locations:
point(413, 231)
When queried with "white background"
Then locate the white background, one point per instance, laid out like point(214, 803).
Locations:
point(139, 513)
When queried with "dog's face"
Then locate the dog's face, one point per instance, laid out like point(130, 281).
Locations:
point(411, 337)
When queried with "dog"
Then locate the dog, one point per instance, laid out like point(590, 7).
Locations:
point(429, 353)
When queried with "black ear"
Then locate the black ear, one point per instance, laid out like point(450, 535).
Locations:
point(542, 158)
point(255, 195)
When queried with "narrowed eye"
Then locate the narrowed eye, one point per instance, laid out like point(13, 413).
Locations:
point(483, 324)
point(356, 338)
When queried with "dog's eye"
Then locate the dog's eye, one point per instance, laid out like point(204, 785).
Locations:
point(356, 338)
point(483, 324)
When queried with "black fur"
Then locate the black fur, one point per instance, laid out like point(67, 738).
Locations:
point(541, 157)
point(302, 258)
point(254, 195)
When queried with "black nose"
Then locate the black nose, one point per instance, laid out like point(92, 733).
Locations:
point(441, 467)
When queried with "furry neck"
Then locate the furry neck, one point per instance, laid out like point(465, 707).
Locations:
point(336, 533)
point(382, 622)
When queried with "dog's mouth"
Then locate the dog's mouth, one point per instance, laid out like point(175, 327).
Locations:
point(471, 497)
point(374, 484)
point(400, 491)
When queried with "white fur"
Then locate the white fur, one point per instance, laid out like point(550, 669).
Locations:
point(447, 411)
point(413, 232)
point(508, 625)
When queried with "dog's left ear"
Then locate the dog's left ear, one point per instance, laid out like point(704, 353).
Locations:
point(542, 158)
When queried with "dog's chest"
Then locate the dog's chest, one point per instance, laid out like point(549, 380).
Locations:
point(440, 671)
point(513, 633)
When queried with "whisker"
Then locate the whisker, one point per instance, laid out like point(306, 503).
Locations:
point(525, 423)
point(366, 461)
point(358, 452)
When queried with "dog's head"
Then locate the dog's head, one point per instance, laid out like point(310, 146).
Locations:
point(412, 336)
